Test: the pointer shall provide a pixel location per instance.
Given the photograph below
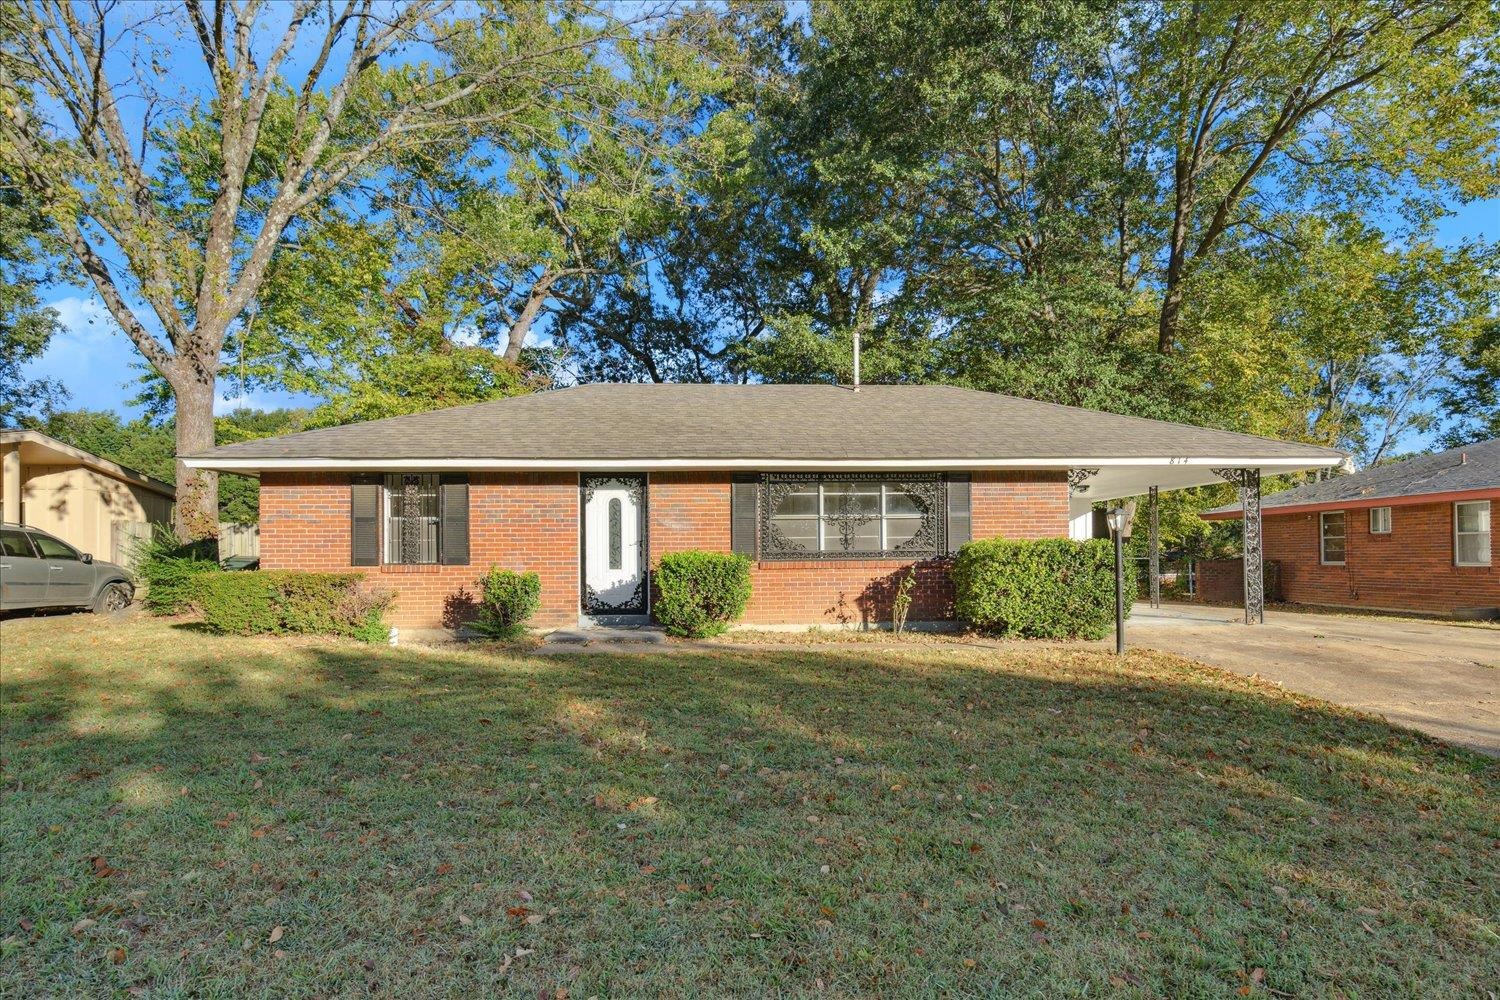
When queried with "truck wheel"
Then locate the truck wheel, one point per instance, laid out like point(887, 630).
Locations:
point(114, 597)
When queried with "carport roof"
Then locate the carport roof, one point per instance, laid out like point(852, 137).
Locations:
point(636, 426)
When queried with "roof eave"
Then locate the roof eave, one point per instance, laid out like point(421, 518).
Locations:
point(1281, 463)
point(1362, 503)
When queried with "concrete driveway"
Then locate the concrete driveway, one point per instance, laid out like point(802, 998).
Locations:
point(1438, 678)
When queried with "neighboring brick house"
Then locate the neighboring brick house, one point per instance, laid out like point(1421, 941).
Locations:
point(835, 493)
point(1410, 536)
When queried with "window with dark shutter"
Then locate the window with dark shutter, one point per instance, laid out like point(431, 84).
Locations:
point(960, 521)
point(742, 496)
point(364, 521)
point(453, 503)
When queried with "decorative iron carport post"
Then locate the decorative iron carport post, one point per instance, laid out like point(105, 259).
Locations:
point(1248, 480)
point(1154, 563)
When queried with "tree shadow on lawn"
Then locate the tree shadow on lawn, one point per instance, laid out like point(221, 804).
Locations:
point(1052, 822)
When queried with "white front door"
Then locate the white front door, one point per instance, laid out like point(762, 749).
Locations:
point(614, 545)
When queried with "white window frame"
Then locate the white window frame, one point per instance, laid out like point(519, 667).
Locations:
point(1485, 534)
point(1323, 538)
point(386, 536)
point(1386, 517)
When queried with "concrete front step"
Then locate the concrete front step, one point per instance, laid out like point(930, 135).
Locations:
point(610, 637)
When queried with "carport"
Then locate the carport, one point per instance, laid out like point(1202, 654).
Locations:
point(1124, 478)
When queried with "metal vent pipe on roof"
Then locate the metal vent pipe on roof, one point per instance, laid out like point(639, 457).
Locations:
point(856, 359)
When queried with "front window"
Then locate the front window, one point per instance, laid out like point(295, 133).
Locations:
point(1380, 520)
point(823, 517)
point(411, 518)
point(50, 548)
point(1471, 533)
point(1332, 525)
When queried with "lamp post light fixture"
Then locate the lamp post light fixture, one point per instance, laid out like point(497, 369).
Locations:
point(1120, 520)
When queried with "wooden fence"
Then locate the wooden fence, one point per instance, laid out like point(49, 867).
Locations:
point(239, 540)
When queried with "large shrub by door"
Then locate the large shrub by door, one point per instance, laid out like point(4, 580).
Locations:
point(701, 593)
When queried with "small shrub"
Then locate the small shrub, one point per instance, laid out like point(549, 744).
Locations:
point(701, 592)
point(507, 600)
point(1051, 588)
point(281, 602)
point(901, 603)
point(172, 570)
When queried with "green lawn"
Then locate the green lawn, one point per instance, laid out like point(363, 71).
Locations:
point(186, 815)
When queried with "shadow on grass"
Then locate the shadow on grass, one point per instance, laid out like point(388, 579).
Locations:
point(1027, 821)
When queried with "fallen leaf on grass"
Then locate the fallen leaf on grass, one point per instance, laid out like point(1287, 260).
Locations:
point(444, 868)
point(277, 933)
point(117, 956)
point(102, 868)
point(83, 925)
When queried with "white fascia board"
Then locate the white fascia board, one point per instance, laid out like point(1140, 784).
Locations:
point(1281, 464)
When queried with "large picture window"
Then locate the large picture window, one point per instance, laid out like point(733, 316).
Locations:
point(847, 517)
point(1471, 533)
point(411, 518)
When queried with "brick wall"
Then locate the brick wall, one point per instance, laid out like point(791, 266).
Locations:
point(691, 510)
point(1410, 569)
point(521, 521)
point(529, 521)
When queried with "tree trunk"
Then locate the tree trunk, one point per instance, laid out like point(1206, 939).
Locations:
point(197, 514)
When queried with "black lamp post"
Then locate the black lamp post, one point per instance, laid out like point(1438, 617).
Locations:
point(1120, 519)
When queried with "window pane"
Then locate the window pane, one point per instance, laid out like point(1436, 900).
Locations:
point(1474, 517)
point(1333, 525)
point(851, 498)
point(851, 536)
point(900, 504)
point(1474, 548)
point(800, 534)
point(51, 548)
point(900, 530)
point(1333, 550)
point(14, 543)
point(799, 504)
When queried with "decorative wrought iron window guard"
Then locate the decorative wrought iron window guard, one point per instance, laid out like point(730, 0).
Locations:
point(926, 492)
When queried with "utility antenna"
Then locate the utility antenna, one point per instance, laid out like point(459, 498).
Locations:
point(856, 359)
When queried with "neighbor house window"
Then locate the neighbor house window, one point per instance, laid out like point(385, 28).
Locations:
point(1471, 533)
point(1380, 520)
point(411, 518)
point(1331, 525)
point(820, 517)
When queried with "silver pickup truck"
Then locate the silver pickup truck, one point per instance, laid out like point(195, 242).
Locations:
point(40, 571)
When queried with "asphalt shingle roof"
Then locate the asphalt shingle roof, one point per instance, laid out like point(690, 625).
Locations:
point(790, 422)
point(1472, 467)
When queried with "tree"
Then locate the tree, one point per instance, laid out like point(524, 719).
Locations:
point(173, 206)
point(26, 326)
point(1350, 100)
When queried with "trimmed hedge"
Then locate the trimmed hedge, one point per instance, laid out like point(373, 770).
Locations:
point(172, 570)
point(1052, 588)
point(506, 601)
point(281, 602)
point(700, 593)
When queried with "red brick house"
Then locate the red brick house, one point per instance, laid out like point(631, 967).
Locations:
point(1410, 536)
point(834, 492)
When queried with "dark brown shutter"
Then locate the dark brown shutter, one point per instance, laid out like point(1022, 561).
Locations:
point(453, 510)
point(959, 520)
point(364, 520)
point(742, 496)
